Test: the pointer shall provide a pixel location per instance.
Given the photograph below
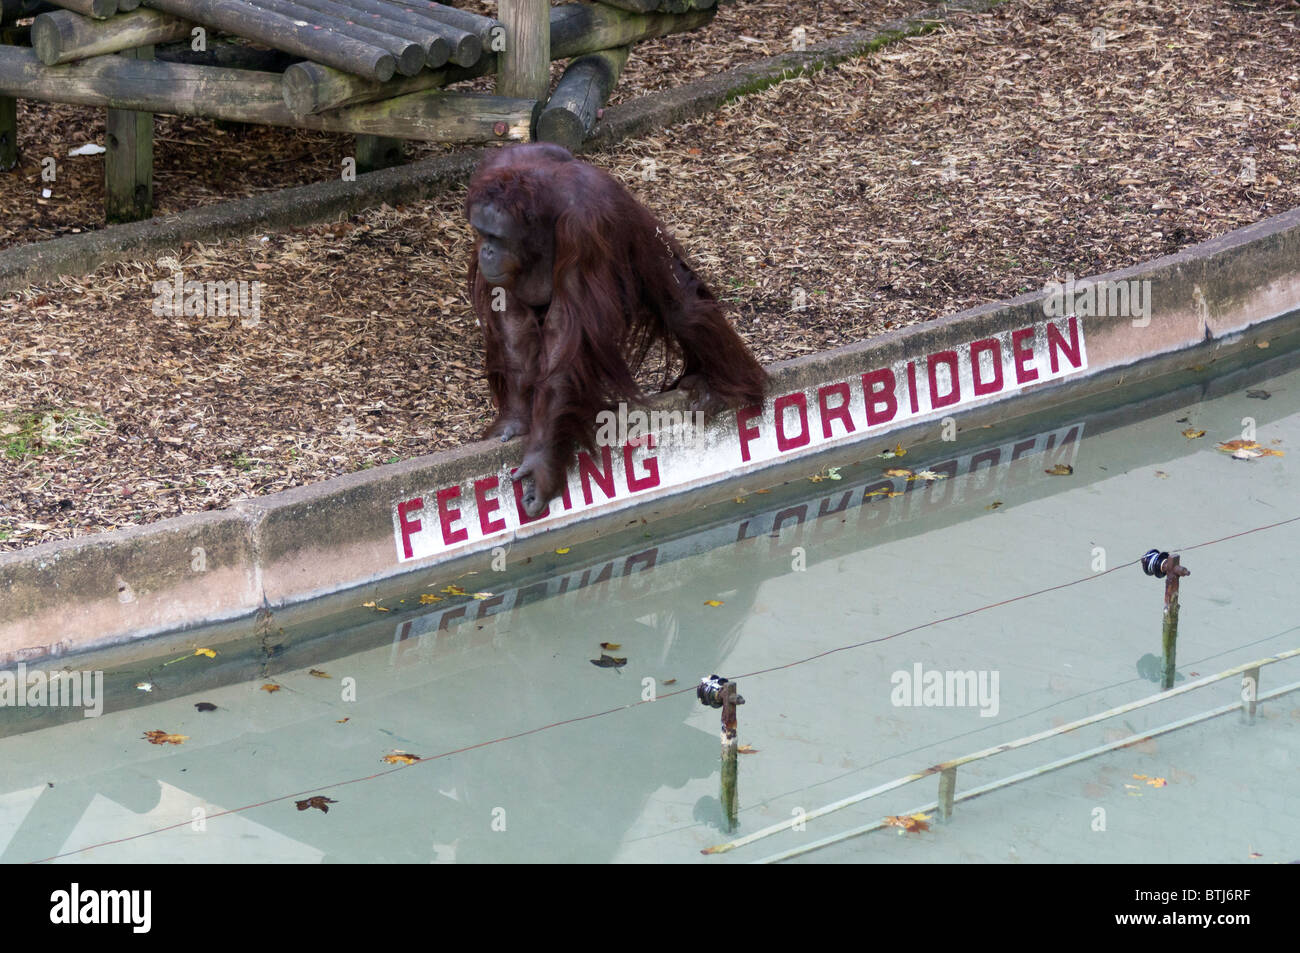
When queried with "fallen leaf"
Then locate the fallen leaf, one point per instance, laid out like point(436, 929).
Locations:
point(1061, 469)
point(270, 688)
point(714, 603)
point(205, 706)
point(144, 686)
point(208, 652)
point(1162, 475)
point(994, 505)
point(1258, 394)
point(454, 590)
point(670, 681)
point(608, 661)
point(341, 721)
point(930, 475)
point(372, 605)
point(1192, 434)
point(611, 646)
point(160, 737)
point(912, 823)
point(747, 749)
point(1231, 446)
point(428, 599)
point(401, 757)
point(318, 673)
point(899, 472)
point(320, 802)
point(563, 551)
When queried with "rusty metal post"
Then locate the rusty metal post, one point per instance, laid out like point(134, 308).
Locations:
point(730, 755)
point(947, 790)
point(1169, 631)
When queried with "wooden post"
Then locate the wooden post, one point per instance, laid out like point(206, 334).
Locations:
point(379, 152)
point(128, 159)
point(8, 133)
point(524, 67)
point(730, 756)
point(1169, 630)
point(581, 92)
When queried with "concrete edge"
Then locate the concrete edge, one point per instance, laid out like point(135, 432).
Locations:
point(26, 265)
point(330, 538)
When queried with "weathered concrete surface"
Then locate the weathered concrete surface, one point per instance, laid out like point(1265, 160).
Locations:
point(1221, 297)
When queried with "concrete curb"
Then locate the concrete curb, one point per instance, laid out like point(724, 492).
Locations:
point(327, 540)
point(27, 265)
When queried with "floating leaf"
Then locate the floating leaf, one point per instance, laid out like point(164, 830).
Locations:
point(1191, 433)
point(832, 473)
point(1258, 394)
point(994, 505)
point(747, 749)
point(160, 737)
point(375, 606)
point(320, 802)
point(713, 602)
point(208, 652)
point(1061, 469)
point(401, 757)
point(454, 590)
point(270, 687)
point(318, 673)
point(930, 475)
point(898, 451)
point(899, 472)
point(563, 551)
point(608, 661)
point(1266, 452)
point(611, 646)
point(144, 686)
point(205, 706)
point(1232, 446)
point(341, 721)
point(739, 499)
point(670, 681)
point(1161, 475)
point(428, 599)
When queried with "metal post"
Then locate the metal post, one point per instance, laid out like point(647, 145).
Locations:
point(730, 756)
point(1169, 632)
point(947, 789)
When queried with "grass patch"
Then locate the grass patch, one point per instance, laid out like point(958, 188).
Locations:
point(27, 434)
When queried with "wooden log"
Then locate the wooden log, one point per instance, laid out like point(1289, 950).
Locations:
point(583, 90)
point(634, 6)
point(485, 28)
point(524, 67)
point(99, 9)
point(576, 29)
point(64, 36)
point(252, 97)
point(435, 45)
point(228, 55)
point(323, 46)
point(128, 158)
point(408, 54)
point(465, 47)
point(379, 152)
point(8, 133)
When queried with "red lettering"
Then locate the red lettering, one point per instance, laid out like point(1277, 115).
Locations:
point(448, 514)
point(1056, 343)
point(884, 396)
point(784, 442)
point(487, 506)
point(604, 477)
point(954, 395)
point(409, 527)
point(839, 412)
point(1023, 356)
point(634, 484)
point(992, 346)
point(911, 387)
point(747, 433)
